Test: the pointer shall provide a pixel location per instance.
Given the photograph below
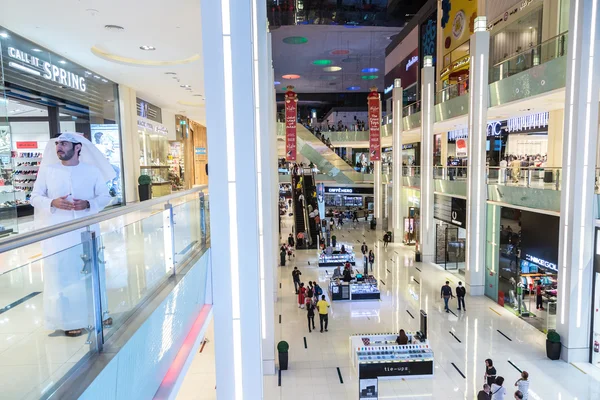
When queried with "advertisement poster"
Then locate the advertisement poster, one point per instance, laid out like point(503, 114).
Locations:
point(461, 148)
point(106, 138)
point(458, 22)
point(374, 105)
point(368, 389)
point(291, 106)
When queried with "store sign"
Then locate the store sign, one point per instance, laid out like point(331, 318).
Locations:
point(461, 148)
point(35, 66)
point(199, 151)
point(375, 370)
point(374, 108)
point(27, 145)
point(451, 210)
point(388, 89)
point(291, 112)
point(534, 121)
point(405, 71)
point(348, 190)
point(494, 129)
point(543, 263)
point(153, 127)
point(413, 60)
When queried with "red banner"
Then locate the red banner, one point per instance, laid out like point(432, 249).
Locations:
point(374, 104)
point(27, 145)
point(291, 109)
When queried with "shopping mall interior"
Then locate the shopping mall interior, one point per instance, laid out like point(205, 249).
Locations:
point(282, 199)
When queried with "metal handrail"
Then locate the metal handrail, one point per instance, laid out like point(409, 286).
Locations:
point(529, 49)
point(25, 239)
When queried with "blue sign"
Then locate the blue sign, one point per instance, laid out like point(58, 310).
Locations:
point(200, 151)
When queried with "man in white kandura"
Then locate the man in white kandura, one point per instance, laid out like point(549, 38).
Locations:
point(71, 184)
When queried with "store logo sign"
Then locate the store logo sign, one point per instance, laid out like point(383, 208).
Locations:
point(339, 190)
point(388, 89)
point(412, 61)
point(35, 66)
point(543, 263)
point(527, 122)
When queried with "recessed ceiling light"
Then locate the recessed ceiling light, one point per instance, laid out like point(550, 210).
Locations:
point(277, 83)
point(354, 88)
point(88, 73)
point(36, 50)
point(109, 101)
point(322, 62)
point(184, 86)
point(291, 76)
point(104, 80)
point(148, 48)
point(295, 40)
point(170, 73)
point(96, 76)
point(531, 27)
point(332, 69)
point(4, 35)
point(369, 70)
point(369, 77)
point(63, 62)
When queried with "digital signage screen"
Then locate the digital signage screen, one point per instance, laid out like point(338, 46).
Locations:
point(539, 239)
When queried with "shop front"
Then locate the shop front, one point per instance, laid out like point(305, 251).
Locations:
point(155, 159)
point(407, 70)
point(353, 198)
point(528, 265)
point(412, 215)
point(450, 216)
point(43, 95)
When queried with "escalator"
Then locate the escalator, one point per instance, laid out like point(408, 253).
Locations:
point(299, 225)
point(324, 158)
point(309, 188)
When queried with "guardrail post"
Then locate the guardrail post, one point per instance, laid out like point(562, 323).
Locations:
point(528, 177)
point(557, 184)
point(91, 266)
point(169, 237)
point(203, 218)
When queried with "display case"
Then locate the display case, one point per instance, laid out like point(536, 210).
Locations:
point(333, 257)
point(377, 356)
point(354, 290)
point(161, 185)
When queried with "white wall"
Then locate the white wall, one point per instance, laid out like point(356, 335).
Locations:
point(527, 144)
point(168, 120)
point(30, 132)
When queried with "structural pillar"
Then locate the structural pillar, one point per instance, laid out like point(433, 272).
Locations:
point(397, 128)
point(378, 190)
point(427, 227)
point(555, 138)
point(130, 142)
point(228, 36)
point(576, 245)
point(476, 184)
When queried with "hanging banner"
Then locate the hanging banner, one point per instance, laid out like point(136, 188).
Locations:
point(461, 148)
point(374, 105)
point(291, 108)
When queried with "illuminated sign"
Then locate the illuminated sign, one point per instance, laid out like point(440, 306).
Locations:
point(339, 190)
point(539, 120)
point(388, 89)
point(494, 129)
point(413, 60)
point(349, 190)
point(543, 263)
point(37, 67)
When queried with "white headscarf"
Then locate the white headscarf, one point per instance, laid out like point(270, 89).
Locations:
point(89, 154)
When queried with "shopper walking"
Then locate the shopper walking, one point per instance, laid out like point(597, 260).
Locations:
point(310, 315)
point(539, 303)
point(371, 259)
point(323, 307)
point(295, 277)
point(331, 223)
point(460, 296)
point(282, 252)
point(301, 295)
point(498, 391)
point(318, 291)
point(364, 249)
point(519, 395)
point(446, 294)
point(291, 240)
point(310, 291)
point(490, 372)
point(523, 385)
point(485, 393)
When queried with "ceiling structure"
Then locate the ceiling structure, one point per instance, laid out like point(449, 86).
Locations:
point(330, 59)
point(77, 30)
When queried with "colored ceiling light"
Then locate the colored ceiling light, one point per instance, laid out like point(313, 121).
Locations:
point(332, 69)
point(369, 70)
point(291, 76)
point(277, 83)
point(354, 88)
point(369, 77)
point(340, 52)
point(322, 62)
point(295, 40)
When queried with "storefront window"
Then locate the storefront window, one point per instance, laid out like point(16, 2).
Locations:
point(520, 35)
point(43, 96)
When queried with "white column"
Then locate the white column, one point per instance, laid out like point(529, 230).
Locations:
point(576, 245)
point(265, 189)
point(427, 230)
point(476, 185)
point(378, 190)
point(397, 128)
point(227, 38)
point(129, 142)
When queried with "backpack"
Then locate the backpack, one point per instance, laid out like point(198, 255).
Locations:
point(319, 291)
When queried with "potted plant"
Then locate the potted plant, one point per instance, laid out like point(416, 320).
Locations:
point(553, 345)
point(333, 240)
point(145, 187)
point(282, 350)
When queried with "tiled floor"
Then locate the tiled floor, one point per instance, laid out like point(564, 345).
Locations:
point(313, 372)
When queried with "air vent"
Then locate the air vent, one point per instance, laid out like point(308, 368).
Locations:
point(114, 27)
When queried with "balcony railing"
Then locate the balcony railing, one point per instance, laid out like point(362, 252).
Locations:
point(536, 55)
point(411, 109)
point(452, 91)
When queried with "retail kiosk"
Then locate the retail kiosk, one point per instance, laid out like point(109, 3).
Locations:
point(358, 289)
point(333, 256)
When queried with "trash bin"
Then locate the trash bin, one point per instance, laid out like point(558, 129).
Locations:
point(548, 176)
point(373, 223)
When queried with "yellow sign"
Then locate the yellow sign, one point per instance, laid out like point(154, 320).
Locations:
point(458, 20)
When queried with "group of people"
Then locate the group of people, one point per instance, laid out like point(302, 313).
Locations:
point(368, 258)
point(312, 298)
point(446, 294)
point(494, 388)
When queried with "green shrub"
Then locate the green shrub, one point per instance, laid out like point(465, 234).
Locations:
point(144, 180)
point(283, 347)
point(553, 336)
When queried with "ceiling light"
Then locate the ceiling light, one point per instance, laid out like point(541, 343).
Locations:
point(4, 35)
point(291, 76)
point(369, 77)
point(109, 101)
point(148, 48)
point(184, 86)
point(88, 73)
point(277, 83)
point(531, 27)
point(104, 80)
point(96, 76)
point(322, 62)
point(340, 52)
point(63, 62)
point(36, 50)
point(369, 70)
point(295, 40)
point(332, 69)
point(170, 73)
point(354, 88)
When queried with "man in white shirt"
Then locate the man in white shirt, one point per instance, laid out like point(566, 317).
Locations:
point(502, 174)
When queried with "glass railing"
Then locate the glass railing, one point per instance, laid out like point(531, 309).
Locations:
point(537, 55)
point(450, 173)
point(411, 171)
point(411, 109)
point(452, 91)
point(530, 177)
point(67, 289)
